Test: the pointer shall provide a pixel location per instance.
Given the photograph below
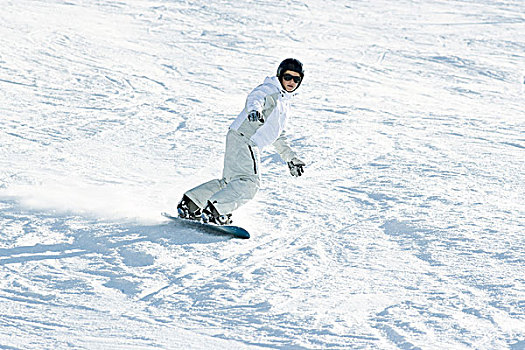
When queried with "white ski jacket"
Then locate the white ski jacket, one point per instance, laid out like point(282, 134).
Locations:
point(273, 102)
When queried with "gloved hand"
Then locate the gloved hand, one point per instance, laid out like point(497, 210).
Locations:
point(254, 116)
point(296, 167)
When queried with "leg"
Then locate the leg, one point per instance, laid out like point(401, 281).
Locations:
point(236, 193)
point(202, 193)
point(241, 174)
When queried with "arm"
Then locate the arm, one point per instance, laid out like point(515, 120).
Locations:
point(255, 100)
point(295, 165)
point(283, 148)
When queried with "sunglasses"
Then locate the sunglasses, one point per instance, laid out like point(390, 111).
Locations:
point(288, 77)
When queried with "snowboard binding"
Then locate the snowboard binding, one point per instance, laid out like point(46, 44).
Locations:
point(187, 209)
point(211, 215)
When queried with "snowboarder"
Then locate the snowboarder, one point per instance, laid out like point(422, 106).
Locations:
point(261, 123)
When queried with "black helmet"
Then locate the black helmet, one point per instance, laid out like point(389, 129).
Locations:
point(290, 64)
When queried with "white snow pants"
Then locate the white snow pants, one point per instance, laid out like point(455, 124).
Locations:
point(240, 179)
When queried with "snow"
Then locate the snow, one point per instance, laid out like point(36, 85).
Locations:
point(405, 232)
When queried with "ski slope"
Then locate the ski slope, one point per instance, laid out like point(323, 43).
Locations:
point(405, 232)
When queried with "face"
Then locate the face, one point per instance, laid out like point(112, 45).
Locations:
point(290, 85)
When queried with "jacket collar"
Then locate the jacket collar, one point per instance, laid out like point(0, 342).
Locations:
point(275, 82)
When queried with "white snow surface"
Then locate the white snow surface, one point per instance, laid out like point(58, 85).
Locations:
point(405, 232)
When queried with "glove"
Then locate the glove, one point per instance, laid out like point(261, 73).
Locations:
point(296, 167)
point(254, 116)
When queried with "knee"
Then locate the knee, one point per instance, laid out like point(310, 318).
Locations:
point(247, 187)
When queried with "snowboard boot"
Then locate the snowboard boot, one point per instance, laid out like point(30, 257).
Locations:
point(210, 215)
point(187, 209)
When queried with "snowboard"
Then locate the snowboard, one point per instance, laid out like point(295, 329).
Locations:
point(228, 230)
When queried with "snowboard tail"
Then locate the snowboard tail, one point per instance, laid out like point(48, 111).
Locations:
point(230, 230)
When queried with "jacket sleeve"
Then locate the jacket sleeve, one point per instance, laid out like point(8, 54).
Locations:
point(283, 148)
point(256, 98)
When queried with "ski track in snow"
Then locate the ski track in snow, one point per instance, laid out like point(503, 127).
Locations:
point(406, 231)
